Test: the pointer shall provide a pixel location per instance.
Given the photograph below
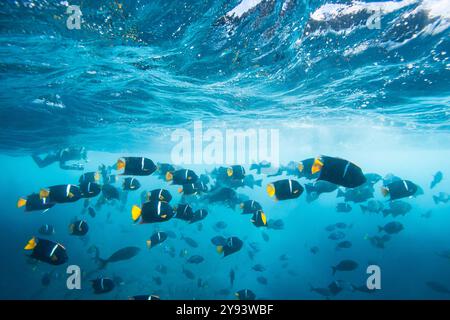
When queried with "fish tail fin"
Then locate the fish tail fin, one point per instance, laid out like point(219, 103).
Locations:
point(380, 229)
point(120, 164)
point(363, 208)
point(101, 262)
point(149, 244)
point(169, 176)
point(259, 182)
point(135, 213)
point(333, 269)
point(340, 193)
point(309, 188)
point(384, 191)
point(21, 202)
point(31, 244)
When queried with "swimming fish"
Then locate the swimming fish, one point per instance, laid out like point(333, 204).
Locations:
point(338, 171)
point(284, 189)
point(345, 265)
point(62, 193)
point(437, 178)
point(123, 254)
point(399, 189)
point(102, 285)
point(181, 177)
point(136, 166)
point(47, 251)
point(227, 246)
point(152, 211)
point(34, 202)
point(159, 195)
point(198, 215)
point(130, 184)
point(156, 239)
point(78, 228)
point(245, 294)
point(250, 207)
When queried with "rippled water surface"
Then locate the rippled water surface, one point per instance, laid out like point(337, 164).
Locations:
point(324, 73)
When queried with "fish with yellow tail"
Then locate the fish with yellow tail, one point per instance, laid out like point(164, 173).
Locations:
point(47, 251)
point(152, 211)
point(399, 189)
point(338, 171)
point(285, 189)
point(156, 239)
point(236, 172)
point(227, 246)
point(259, 219)
point(34, 202)
point(181, 177)
point(135, 166)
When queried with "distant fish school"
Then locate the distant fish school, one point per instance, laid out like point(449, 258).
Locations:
point(329, 173)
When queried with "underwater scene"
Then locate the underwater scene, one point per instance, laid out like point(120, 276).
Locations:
point(225, 149)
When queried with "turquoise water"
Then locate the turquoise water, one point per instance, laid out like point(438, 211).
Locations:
point(138, 70)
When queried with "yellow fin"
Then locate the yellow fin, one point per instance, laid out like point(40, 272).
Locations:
point(21, 202)
point(317, 166)
point(169, 176)
point(300, 167)
point(270, 190)
point(120, 164)
point(97, 176)
point(135, 212)
point(71, 227)
point(43, 193)
point(31, 244)
point(180, 190)
point(229, 172)
point(164, 216)
point(384, 191)
point(219, 249)
point(263, 218)
point(71, 195)
point(149, 243)
point(242, 205)
point(54, 257)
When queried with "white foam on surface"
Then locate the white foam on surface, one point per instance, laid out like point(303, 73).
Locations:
point(242, 8)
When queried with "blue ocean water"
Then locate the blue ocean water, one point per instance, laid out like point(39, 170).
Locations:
point(138, 70)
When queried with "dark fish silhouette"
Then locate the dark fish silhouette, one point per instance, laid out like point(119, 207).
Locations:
point(120, 255)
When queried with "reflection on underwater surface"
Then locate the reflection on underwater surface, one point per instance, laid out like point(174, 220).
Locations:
point(138, 70)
